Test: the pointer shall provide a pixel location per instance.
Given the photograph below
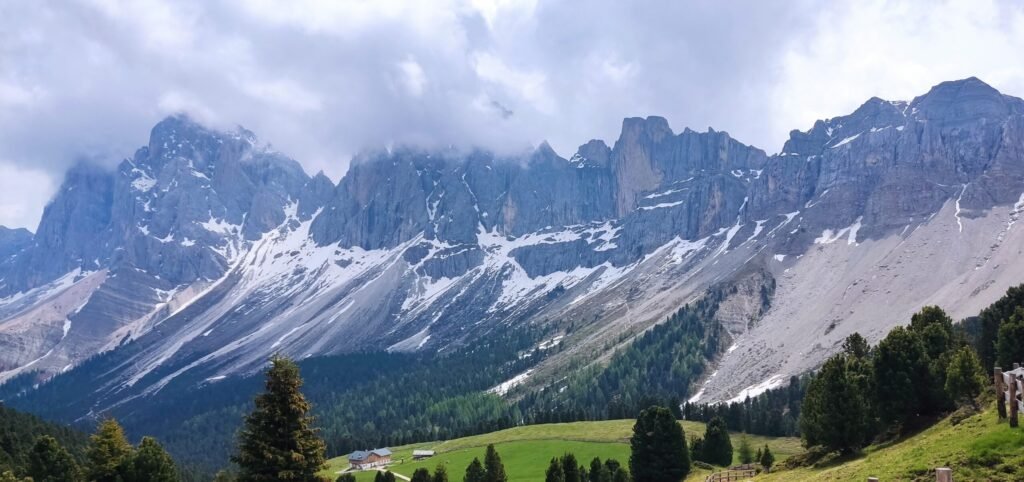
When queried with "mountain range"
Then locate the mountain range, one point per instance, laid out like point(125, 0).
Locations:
point(206, 252)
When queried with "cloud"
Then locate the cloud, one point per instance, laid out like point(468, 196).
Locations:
point(323, 79)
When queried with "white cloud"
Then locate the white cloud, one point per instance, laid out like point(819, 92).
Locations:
point(322, 79)
point(23, 193)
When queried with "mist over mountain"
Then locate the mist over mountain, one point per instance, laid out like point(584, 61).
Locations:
point(207, 251)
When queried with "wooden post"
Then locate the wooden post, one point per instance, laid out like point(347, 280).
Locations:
point(1013, 401)
point(943, 474)
point(872, 479)
point(997, 376)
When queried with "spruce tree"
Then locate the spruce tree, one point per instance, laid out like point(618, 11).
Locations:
point(744, 451)
point(965, 379)
point(658, 447)
point(278, 442)
point(440, 474)
point(717, 445)
point(767, 458)
point(50, 462)
point(571, 468)
point(389, 476)
point(493, 466)
point(612, 465)
point(346, 477)
point(151, 463)
point(599, 472)
point(227, 476)
point(900, 370)
point(554, 472)
point(421, 475)
point(475, 472)
point(992, 319)
point(834, 413)
point(621, 475)
point(1010, 341)
point(108, 452)
point(697, 448)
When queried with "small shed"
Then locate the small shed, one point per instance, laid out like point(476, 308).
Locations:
point(422, 454)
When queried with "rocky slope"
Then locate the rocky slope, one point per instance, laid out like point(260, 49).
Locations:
point(205, 252)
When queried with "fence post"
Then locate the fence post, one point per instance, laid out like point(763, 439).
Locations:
point(1013, 401)
point(943, 474)
point(997, 376)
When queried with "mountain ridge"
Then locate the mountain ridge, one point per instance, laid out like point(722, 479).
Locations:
point(204, 252)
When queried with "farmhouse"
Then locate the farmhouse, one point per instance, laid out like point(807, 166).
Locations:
point(361, 459)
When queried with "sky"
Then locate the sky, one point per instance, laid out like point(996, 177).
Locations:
point(321, 80)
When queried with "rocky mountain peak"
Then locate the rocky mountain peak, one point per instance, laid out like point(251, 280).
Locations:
point(963, 101)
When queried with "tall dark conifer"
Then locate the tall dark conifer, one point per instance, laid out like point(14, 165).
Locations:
point(658, 447)
point(493, 466)
point(278, 442)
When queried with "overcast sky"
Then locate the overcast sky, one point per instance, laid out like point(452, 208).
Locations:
point(321, 79)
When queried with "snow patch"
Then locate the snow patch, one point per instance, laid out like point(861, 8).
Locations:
point(829, 237)
point(502, 388)
point(754, 390)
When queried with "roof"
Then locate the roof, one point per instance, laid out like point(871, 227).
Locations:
point(363, 454)
point(422, 452)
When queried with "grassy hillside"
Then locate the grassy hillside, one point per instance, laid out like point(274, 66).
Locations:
point(978, 448)
point(527, 450)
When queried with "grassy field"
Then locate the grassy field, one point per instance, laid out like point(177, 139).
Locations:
point(978, 448)
point(526, 451)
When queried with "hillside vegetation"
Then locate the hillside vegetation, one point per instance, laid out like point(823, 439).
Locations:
point(978, 448)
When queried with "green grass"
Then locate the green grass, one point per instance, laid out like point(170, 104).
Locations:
point(978, 448)
point(526, 451)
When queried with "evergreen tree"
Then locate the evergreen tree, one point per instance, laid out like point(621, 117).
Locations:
point(389, 476)
point(612, 465)
point(658, 448)
point(965, 379)
point(744, 451)
point(599, 472)
point(554, 472)
point(50, 462)
point(440, 474)
point(378, 477)
point(1010, 341)
point(8, 476)
point(278, 442)
point(767, 458)
point(900, 368)
point(226, 476)
point(991, 320)
point(834, 413)
point(421, 475)
point(347, 477)
point(856, 346)
point(150, 463)
point(717, 445)
point(621, 475)
point(571, 468)
point(108, 452)
point(493, 466)
point(757, 456)
point(697, 448)
point(475, 472)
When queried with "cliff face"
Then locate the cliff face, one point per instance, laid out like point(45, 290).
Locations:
point(205, 252)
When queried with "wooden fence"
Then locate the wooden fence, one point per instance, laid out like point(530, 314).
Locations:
point(1009, 387)
point(731, 475)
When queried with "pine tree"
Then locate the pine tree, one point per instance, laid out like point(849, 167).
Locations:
point(151, 463)
point(493, 466)
point(226, 476)
point(900, 368)
point(992, 319)
point(1010, 341)
point(50, 462)
point(744, 451)
point(378, 477)
point(658, 447)
point(571, 468)
point(440, 474)
point(108, 452)
point(554, 472)
point(278, 442)
point(621, 475)
point(612, 465)
point(834, 413)
point(421, 475)
point(599, 472)
point(965, 379)
point(717, 445)
point(475, 472)
point(346, 477)
point(697, 448)
point(767, 458)
point(389, 476)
